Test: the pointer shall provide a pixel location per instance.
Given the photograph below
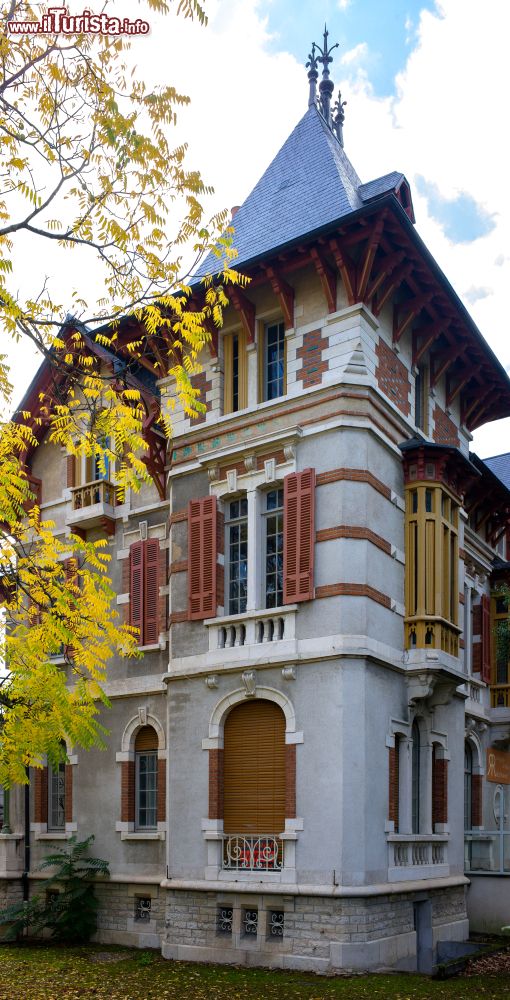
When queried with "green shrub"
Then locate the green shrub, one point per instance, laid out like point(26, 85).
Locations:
point(66, 903)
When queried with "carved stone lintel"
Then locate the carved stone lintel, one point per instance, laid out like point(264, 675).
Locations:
point(211, 681)
point(249, 679)
point(289, 673)
point(232, 480)
point(142, 715)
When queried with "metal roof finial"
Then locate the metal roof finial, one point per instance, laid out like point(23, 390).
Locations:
point(326, 86)
point(313, 75)
point(338, 118)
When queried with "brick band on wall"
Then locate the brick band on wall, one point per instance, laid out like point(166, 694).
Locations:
point(290, 780)
point(216, 784)
point(161, 790)
point(127, 808)
point(439, 790)
point(41, 795)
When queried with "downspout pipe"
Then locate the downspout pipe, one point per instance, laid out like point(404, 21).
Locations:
point(26, 868)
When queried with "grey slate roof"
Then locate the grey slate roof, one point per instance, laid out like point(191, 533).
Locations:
point(500, 466)
point(390, 182)
point(309, 184)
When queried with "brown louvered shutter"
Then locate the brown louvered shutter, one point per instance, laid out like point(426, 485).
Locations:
point(151, 591)
point(298, 536)
point(146, 740)
point(136, 587)
point(254, 769)
point(486, 639)
point(202, 557)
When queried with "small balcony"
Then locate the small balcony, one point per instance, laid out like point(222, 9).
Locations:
point(92, 506)
point(414, 856)
point(252, 853)
point(253, 628)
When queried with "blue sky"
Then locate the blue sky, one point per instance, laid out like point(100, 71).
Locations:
point(387, 27)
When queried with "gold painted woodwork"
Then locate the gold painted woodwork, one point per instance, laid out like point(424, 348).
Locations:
point(432, 568)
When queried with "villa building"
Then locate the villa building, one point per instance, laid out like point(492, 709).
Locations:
point(322, 710)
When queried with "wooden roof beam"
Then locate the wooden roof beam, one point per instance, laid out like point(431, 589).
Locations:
point(285, 294)
point(246, 309)
point(365, 269)
point(386, 266)
point(413, 308)
point(346, 269)
point(452, 390)
point(395, 280)
point(327, 278)
point(428, 334)
point(448, 358)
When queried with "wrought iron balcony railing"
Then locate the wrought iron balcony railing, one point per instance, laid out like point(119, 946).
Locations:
point(500, 696)
point(252, 853)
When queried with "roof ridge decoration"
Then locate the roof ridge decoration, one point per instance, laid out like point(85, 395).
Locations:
point(334, 118)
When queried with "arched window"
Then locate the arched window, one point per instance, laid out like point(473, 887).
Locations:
point(415, 736)
point(468, 787)
point(254, 769)
point(146, 779)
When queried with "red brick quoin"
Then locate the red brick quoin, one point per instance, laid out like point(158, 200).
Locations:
point(311, 355)
point(445, 431)
point(393, 377)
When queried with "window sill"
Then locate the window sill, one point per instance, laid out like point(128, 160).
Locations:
point(151, 647)
point(248, 615)
point(54, 835)
point(140, 835)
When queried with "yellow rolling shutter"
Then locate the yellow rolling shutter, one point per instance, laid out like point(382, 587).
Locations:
point(146, 740)
point(254, 769)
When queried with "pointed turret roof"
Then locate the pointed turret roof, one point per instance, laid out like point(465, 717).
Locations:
point(309, 184)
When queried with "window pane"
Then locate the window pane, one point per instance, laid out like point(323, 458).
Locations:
point(274, 549)
point(146, 790)
point(274, 361)
point(237, 556)
point(57, 797)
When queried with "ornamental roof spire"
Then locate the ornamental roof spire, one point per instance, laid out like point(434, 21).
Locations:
point(333, 117)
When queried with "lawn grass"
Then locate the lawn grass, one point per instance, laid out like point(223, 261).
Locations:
point(96, 972)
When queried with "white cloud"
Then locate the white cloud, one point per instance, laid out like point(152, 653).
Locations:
point(445, 124)
point(344, 4)
point(355, 55)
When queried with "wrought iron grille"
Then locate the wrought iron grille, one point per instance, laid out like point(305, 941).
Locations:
point(242, 852)
point(250, 922)
point(224, 919)
point(142, 908)
point(276, 922)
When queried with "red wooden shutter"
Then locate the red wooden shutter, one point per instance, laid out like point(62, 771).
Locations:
point(298, 536)
point(486, 639)
point(136, 587)
point(151, 591)
point(202, 556)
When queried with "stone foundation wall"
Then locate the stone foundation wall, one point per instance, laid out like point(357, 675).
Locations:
point(319, 933)
point(10, 892)
point(117, 918)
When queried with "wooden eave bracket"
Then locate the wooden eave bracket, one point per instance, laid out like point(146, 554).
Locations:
point(384, 270)
point(394, 281)
point(444, 361)
point(285, 294)
point(327, 278)
point(414, 307)
point(246, 310)
point(365, 269)
point(346, 269)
